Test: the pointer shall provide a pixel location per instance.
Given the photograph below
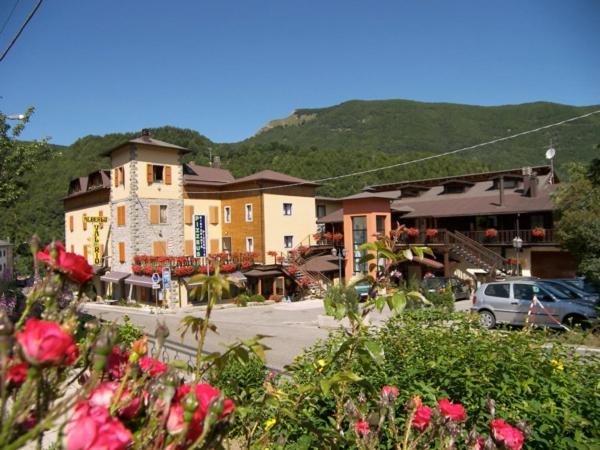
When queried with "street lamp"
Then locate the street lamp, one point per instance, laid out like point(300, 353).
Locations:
point(341, 254)
point(16, 117)
point(517, 244)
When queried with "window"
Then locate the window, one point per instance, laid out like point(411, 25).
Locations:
point(249, 215)
point(359, 237)
point(498, 290)
point(287, 209)
point(380, 225)
point(288, 241)
point(523, 291)
point(157, 174)
point(226, 244)
point(227, 214)
point(163, 214)
point(321, 211)
point(249, 244)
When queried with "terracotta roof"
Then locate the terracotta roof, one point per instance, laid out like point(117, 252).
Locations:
point(85, 185)
point(195, 174)
point(271, 175)
point(333, 217)
point(147, 140)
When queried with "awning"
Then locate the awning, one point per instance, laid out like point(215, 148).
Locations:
point(138, 280)
point(236, 277)
point(429, 262)
point(321, 264)
point(263, 273)
point(114, 277)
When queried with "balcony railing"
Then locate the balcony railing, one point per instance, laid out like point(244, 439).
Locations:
point(503, 237)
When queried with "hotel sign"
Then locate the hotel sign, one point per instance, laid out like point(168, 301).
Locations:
point(97, 222)
point(200, 235)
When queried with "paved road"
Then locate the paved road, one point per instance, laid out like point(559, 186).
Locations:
point(291, 326)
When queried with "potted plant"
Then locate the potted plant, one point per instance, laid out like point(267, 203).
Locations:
point(431, 233)
point(538, 233)
point(491, 233)
point(412, 232)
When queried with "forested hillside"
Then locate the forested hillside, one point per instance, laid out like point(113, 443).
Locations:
point(328, 142)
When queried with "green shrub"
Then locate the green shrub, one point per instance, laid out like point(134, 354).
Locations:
point(257, 298)
point(128, 332)
point(433, 354)
point(443, 299)
point(239, 376)
point(242, 300)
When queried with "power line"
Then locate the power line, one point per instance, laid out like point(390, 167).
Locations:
point(29, 17)
point(406, 163)
point(9, 16)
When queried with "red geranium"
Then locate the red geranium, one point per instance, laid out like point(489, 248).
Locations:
point(422, 417)
point(272, 253)
point(293, 270)
point(337, 237)
point(412, 232)
point(45, 343)
point(93, 427)
point(389, 392)
point(73, 266)
point(228, 268)
point(538, 232)
point(503, 433)
point(328, 236)
point(431, 232)
point(137, 269)
point(491, 233)
point(246, 264)
point(151, 366)
point(453, 411)
point(317, 236)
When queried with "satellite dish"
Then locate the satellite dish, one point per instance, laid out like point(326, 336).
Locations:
point(550, 153)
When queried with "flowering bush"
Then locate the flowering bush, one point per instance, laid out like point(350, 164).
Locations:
point(431, 233)
point(293, 270)
point(538, 232)
point(491, 233)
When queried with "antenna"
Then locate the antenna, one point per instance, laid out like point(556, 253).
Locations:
point(550, 154)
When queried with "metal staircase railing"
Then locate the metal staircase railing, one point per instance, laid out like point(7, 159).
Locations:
point(480, 255)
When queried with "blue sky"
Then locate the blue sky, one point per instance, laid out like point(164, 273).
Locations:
point(225, 68)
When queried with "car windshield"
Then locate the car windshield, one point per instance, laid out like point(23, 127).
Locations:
point(565, 291)
point(546, 289)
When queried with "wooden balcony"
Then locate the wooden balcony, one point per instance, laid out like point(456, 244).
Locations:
point(503, 238)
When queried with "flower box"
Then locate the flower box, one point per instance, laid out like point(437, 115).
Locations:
point(431, 233)
point(538, 233)
point(491, 233)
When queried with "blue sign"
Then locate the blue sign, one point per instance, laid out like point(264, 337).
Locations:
point(166, 278)
point(155, 280)
point(200, 236)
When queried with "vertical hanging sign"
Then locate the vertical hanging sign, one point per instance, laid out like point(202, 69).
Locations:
point(200, 235)
point(97, 224)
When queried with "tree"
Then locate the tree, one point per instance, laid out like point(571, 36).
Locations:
point(16, 158)
point(578, 225)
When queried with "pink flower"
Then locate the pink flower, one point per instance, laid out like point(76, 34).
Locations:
point(104, 394)
point(175, 422)
point(362, 427)
point(93, 428)
point(503, 433)
point(45, 343)
point(117, 363)
point(389, 392)
point(16, 373)
point(453, 411)
point(422, 417)
point(151, 366)
point(74, 266)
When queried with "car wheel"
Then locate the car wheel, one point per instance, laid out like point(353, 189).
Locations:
point(487, 319)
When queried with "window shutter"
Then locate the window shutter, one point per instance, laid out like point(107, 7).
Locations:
point(160, 248)
point(121, 215)
point(71, 224)
point(149, 173)
point(116, 177)
point(84, 222)
point(188, 214)
point(122, 176)
point(154, 214)
point(85, 251)
point(214, 246)
point(189, 247)
point(121, 252)
point(213, 215)
point(167, 174)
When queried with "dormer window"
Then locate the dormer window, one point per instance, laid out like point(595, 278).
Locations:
point(412, 190)
point(510, 182)
point(456, 186)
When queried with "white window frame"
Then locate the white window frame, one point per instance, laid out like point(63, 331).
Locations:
point(291, 241)
point(249, 240)
point(249, 213)
point(285, 210)
point(227, 214)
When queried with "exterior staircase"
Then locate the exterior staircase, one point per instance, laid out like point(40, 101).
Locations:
point(466, 249)
point(318, 282)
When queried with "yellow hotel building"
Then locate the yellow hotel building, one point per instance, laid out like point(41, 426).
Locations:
point(154, 204)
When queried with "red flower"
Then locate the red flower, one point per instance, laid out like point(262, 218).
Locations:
point(538, 232)
point(73, 266)
point(228, 268)
point(91, 428)
point(337, 237)
point(412, 232)
point(328, 236)
point(362, 427)
point(389, 392)
point(431, 232)
point(45, 343)
point(503, 433)
point(293, 270)
point(151, 366)
point(453, 411)
point(491, 233)
point(317, 236)
point(16, 373)
point(104, 394)
point(117, 363)
point(272, 253)
point(422, 417)
point(246, 264)
point(137, 269)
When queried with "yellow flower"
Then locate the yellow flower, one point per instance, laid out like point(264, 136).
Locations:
point(558, 365)
point(320, 364)
point(269, 423)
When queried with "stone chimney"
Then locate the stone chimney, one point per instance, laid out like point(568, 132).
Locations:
point(501, 190)
point(530, 185)
point(145, 134)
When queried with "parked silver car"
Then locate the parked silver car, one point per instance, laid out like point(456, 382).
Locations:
point(508, 302)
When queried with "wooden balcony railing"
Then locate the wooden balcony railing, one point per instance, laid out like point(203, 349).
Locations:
point(505, 237)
